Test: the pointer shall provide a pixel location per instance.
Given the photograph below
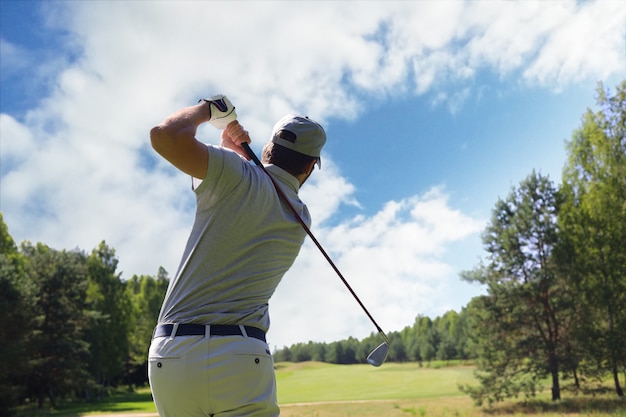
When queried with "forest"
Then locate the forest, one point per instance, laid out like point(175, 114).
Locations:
point(554, 271)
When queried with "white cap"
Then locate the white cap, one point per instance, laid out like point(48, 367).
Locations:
point(301, 134)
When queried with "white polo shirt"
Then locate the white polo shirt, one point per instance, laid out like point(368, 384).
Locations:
point(242, 242)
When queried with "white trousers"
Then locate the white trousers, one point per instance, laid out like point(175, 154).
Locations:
point(217, 376)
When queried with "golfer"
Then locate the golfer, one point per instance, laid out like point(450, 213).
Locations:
point(209, 355)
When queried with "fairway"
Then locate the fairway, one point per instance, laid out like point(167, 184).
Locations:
point(314, 389)
point(321, 382)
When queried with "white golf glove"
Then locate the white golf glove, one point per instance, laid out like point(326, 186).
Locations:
point(222, 111)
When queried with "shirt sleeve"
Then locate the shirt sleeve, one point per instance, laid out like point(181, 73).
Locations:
point(225, 171)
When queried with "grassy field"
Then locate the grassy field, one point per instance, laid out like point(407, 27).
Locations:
point(313, 389)
point(314, 382)
point(324, 390)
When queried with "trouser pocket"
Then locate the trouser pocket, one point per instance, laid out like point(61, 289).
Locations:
point(244, 382)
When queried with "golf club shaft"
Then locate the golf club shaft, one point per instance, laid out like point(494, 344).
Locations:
point(256, 160)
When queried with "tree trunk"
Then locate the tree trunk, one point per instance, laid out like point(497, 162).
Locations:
point(612, 353)
point(52, 399)
point(576, 380)
point(556, 389)
point(554, 370)
point(618, 388)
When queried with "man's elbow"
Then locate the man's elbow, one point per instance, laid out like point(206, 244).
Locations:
point(159, 138)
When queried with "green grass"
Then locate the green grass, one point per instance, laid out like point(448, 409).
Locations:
point(313, 389)
point(312, 381)
point(120, 402)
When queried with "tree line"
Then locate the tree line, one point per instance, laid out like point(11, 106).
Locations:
point(69, 325)
point(444, 338)
point(554, 273)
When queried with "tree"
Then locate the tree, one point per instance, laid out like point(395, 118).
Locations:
point(334, 353)
point(16, 320)
point(448, 329)
point(58, 354)
point(109, 329)
point(500, 360)
point(146, 295)
point(283, 355)
point(522, 333)
point(318, 350)
point(426, 339)
point(301, 352)
point(350, 347)
point(397, 351)
point(593, 221)
point(463, 342)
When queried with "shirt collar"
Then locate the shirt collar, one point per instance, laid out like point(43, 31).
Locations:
point(283, 176)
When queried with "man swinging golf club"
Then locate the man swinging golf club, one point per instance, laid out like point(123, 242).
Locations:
point(208, 355)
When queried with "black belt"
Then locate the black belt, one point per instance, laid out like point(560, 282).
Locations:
point(165, 330)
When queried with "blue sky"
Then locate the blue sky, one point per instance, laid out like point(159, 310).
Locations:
point(433, 111)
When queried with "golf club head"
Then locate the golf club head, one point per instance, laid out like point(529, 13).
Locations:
point(378, 355)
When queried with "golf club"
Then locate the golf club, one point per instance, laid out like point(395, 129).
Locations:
point(378, 355)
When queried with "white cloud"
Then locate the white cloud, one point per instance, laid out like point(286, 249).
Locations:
point(325, 191)
point(23, 142)
point(505, 35)
point(393, 260)
point(80, 168)
point(589, 44)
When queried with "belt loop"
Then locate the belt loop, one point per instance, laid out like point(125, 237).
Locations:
point(244, 333)
point(174, 330)
point(207, 331)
